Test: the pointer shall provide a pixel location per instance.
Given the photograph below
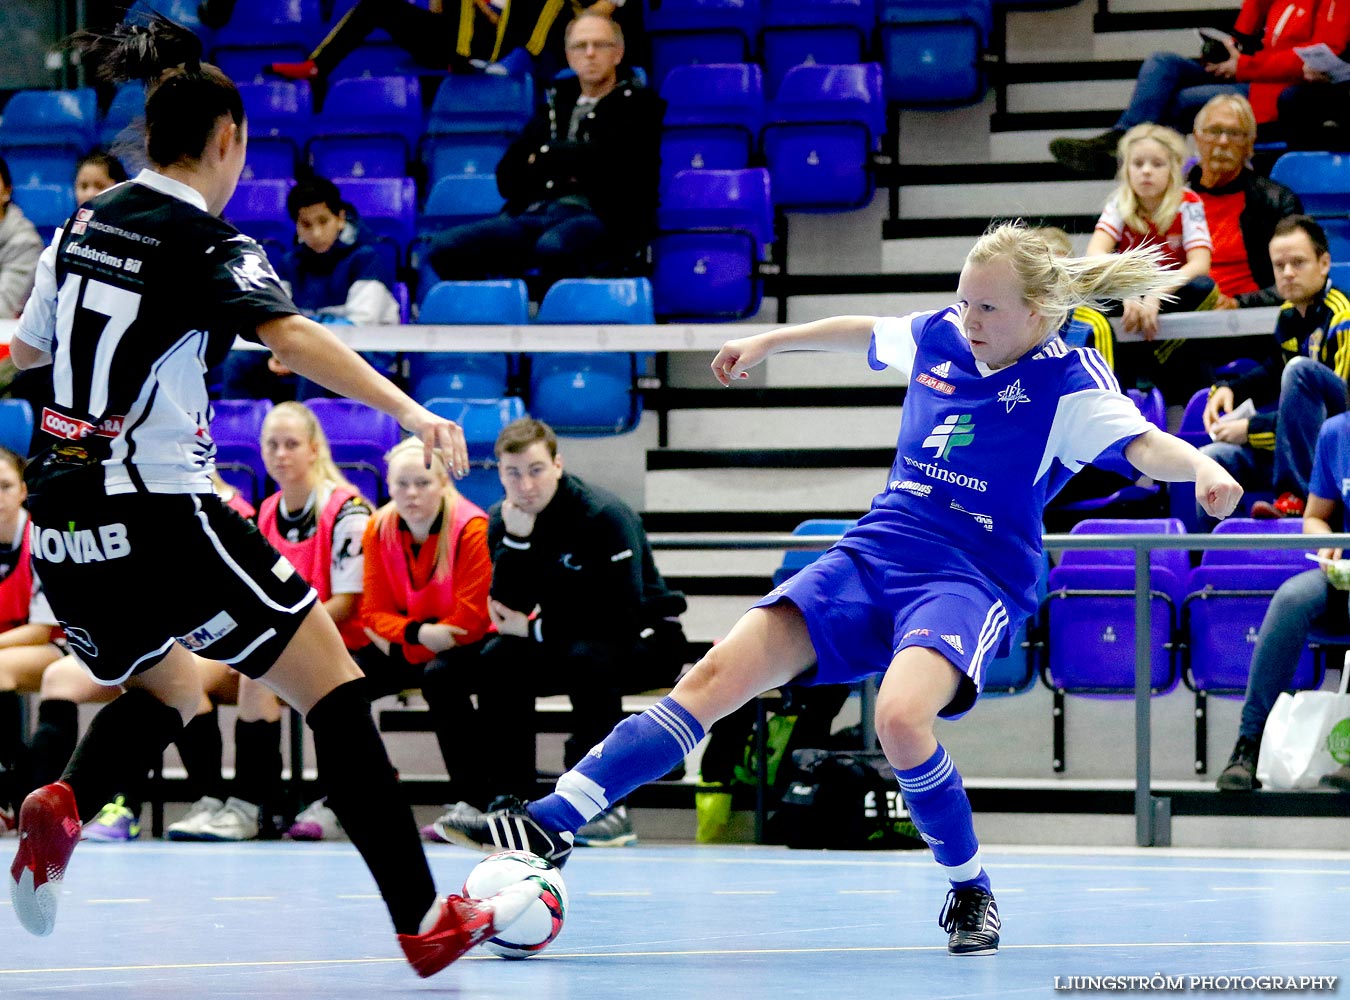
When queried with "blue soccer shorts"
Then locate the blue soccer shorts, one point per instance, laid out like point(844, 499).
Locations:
point(861, 612)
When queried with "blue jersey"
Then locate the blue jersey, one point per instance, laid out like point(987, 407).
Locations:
point(981, 452)
point(1331, 468)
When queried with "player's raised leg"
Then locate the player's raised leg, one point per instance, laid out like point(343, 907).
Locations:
point(769, 646)
point(920, 683)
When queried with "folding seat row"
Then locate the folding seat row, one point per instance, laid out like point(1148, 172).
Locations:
point(1320, 181)
point(817, 137)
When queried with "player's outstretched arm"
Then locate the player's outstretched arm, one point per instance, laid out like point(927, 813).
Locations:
point(310, 349)
point(1169, 459)
point(838, 333)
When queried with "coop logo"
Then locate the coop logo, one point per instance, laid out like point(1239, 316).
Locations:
point(81, 545)
point(73, 429)
point(955, 431)
point(1338, 742)
point(910, 486)
point(204, 635)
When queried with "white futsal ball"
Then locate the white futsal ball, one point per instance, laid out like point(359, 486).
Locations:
point(542, 921)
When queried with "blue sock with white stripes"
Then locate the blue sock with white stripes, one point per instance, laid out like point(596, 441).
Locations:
point(940, 809)
point(640, 749)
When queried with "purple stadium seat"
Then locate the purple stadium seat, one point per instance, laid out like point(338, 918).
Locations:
point(1089, 618)
point(714, 226)
point(388, 205)
point(258, 209)
point(932, 50)
point(359, 436)
point(236, 428)
point(821, 132)
point(368, 127)
point(819, 32)
point(691, 32)
point(276, 22)
point(713, 117)
point(67, 118)
point(280, 118)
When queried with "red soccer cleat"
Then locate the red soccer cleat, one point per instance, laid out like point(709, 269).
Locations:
point(464, 923)
point(306, 70)
point(49, 829)
point(1287, 505)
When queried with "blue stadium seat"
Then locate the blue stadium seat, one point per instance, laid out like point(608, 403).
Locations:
point(368, 128)
point(469, 303)
point(279, 22)
point(258, 209)
point(795, 560)
point(249, 63)
point(473, 119)
point(127, 107)
point(713, 117)
point(590, 393)
point(822, 130)
point(280, 119)
point(16, 425)
point(481, 419)
point(65, 118)
point(713, 228)
point(182, 12)
point(1089, 618)
point(359, 435)
point(37, 165)
point(375, 59)
point(1340, 274)
point(236, 429)
point(47, 206)
point(454, 200)
point(388, 205)
point(1337, 229)
point(693, 32)
point(1319, 179)
point(932, 50)
point(814, 32)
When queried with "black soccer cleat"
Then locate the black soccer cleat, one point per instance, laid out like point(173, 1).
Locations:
point(970, 918)
point(507, 829)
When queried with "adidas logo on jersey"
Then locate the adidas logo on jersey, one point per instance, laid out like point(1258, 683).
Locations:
point(955, 642)
point(943, 370)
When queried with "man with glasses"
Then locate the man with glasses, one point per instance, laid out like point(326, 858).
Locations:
point(1257, 63)
point(579, 182)
point(1241, 206)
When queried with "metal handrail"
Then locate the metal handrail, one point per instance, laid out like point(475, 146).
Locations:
point(1147, 828)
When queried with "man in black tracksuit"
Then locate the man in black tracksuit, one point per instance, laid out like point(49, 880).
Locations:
point(579, 607)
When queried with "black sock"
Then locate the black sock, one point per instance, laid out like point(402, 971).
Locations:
point(11, 747)
point(363, 791)
point(125, 740)
point(54, 740)
point(257, 763)
point(199, 746)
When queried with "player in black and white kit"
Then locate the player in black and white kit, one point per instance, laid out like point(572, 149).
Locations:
point(141, 293)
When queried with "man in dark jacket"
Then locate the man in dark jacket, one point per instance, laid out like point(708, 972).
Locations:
point(579, 608)
point(580, 182)
point(1241, 206)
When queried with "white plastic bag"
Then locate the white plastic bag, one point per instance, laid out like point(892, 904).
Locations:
point(1301, 733)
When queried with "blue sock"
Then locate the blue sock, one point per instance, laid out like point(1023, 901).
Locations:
point(938, 805)
point(640, 749)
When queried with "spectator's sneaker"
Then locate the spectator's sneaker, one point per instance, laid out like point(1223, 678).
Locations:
point(316, 822)
point(49, 829)
point(9, 823)
point(463, 923)
point(1338, 779)
point(198, 815)
point(115, 823)
point(1240, 774)
point(305, 70)
point(507, 829)
point(970, 918)
point(235, 820)
point(459, 809)
point(1095, 157)
point(612, 828)
point(1285, 505)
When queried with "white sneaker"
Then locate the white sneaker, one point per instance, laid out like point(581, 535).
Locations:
point(459, 810)
point(190, 826)
point(235, 820)
point(316, 822)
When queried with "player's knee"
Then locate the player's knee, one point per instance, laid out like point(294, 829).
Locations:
point(904, 728)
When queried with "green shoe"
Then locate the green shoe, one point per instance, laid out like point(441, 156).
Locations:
point(712, 803)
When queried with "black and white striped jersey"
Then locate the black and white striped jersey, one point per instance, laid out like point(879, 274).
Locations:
point(135, 299)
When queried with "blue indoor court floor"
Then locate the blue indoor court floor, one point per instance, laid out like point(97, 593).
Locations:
point(156, 920)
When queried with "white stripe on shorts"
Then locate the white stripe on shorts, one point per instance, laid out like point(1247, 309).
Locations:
point(994, 623)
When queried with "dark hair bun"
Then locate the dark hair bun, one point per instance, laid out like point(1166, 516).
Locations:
point(141, 52)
